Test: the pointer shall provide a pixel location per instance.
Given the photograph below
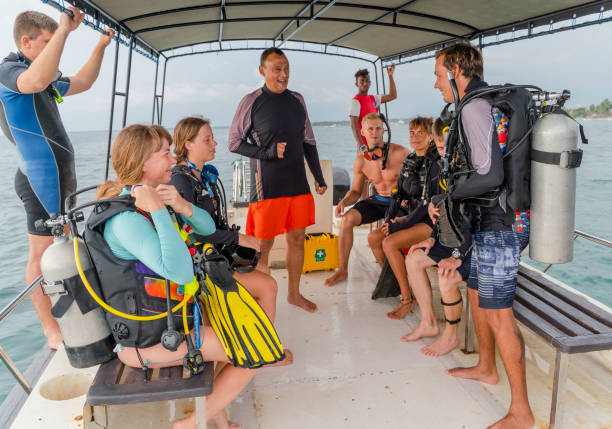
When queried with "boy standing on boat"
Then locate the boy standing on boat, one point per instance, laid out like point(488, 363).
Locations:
point(496, 246)
point(271, 127)
point(368, 165)
point(30, 88)
point(364, 103)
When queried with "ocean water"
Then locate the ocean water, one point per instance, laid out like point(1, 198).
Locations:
point(21, 334)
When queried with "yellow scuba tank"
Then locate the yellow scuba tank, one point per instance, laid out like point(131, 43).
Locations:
point(87, 338)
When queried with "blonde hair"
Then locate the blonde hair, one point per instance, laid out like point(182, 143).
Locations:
point(370, 116)
point(163, 133)
point(31, 23)
point(132, 147)
point(186, 130)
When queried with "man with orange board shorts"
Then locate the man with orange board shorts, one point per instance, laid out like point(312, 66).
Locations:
point(271, 127)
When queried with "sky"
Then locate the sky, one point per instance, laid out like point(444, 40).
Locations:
point(213, 84)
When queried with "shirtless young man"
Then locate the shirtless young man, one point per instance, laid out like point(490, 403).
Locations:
point(374, 207)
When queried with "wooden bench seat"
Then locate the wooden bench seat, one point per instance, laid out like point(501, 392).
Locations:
point(118, 385)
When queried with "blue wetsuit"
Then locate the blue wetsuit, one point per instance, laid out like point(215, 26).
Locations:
point(46, 174)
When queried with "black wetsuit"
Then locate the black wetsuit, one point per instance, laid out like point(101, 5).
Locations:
point(192, 190)
point(424, 171)
point(264, 119)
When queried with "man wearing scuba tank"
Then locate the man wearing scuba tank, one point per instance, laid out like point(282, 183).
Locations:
point(497, 244)
point(364, 103)
point(379, 163)
point(271, 127)
point(30, 88)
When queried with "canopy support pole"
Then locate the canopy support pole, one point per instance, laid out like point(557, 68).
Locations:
point(127, 82)
point(163, 91)
point(376, 75)
point(382, 74)
point(112, 109)
point(155, 92)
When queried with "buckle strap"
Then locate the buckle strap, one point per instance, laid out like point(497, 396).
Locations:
point(452, 322)
point(450, 304)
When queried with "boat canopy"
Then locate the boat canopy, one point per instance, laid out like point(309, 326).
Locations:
point(389, 30)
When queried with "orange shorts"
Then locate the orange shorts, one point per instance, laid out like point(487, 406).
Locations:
point(268, 218)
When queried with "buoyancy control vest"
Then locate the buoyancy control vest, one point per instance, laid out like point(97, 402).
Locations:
point(128, 286)
point(514, 114)
point(413, 184)
point(207, 187)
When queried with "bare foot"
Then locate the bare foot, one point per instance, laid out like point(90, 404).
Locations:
point(54, 338)
point(404, 307)
point(188, 422)
point(285, 362)
point(222, 422)
point(303, 303)
point(447, 342)
point(420, 332)
point(480, 373)
point(523, 420)
point(337, 277)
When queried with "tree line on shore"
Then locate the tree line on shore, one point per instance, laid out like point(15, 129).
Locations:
point(602, 110)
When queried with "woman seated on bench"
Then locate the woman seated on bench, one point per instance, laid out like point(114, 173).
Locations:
point(143, 162)
point(407, 222)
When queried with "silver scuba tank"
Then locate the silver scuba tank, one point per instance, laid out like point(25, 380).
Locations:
point(87, 338)
point(554, 159)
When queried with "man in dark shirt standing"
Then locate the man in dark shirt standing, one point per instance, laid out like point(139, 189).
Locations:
point(271, 127)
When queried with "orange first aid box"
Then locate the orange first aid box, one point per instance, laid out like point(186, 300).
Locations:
point(320, 252)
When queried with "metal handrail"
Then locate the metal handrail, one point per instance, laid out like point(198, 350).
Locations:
point(6, 311)
point(589, 237)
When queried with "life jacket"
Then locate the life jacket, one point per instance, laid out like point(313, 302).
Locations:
point(368, 105)
point(128, 286)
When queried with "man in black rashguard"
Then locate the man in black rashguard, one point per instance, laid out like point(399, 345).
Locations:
point(271, 127)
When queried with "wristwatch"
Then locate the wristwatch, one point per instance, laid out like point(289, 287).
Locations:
point(456, 253)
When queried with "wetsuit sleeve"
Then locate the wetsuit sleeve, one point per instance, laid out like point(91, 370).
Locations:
point(241, 130)
point(62, 85)
point(9, 72)
point(131, 236)
point(419, 214)
point(312, 158)
point(485, 154)
point(310, 147)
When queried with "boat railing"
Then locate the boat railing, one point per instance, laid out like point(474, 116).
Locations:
point(240, 178)
point(6, 311)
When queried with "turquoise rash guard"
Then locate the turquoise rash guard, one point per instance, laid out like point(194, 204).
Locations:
point(131, 236)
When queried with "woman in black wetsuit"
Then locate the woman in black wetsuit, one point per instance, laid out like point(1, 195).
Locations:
point(407, 220)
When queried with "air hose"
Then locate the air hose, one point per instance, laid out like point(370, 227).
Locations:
point(190, 290)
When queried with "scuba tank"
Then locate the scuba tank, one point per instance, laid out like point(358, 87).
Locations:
point(87, 338)
point(554, 159)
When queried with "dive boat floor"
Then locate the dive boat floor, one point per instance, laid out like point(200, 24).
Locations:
point(350, 369)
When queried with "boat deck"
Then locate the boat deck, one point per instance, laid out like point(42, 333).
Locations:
point(351, 371)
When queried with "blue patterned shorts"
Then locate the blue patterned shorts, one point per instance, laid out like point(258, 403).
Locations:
point(495, 261)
